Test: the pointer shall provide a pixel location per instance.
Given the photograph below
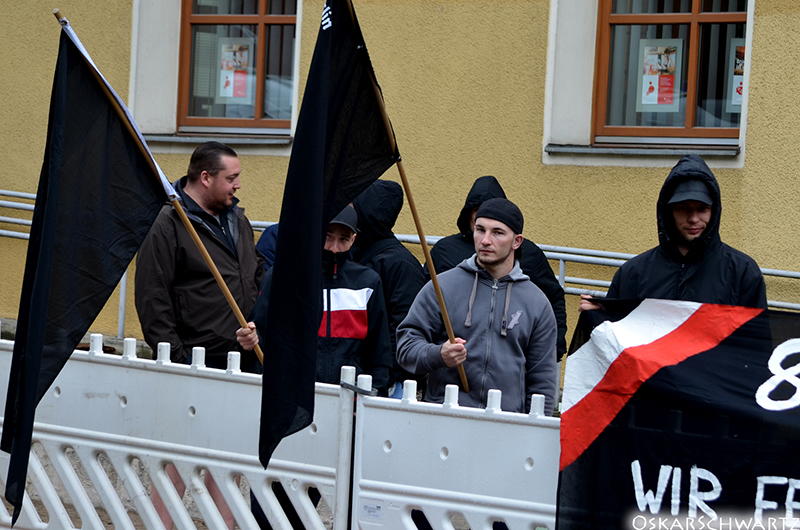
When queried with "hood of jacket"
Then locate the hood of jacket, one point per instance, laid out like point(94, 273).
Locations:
point(482, 190)
point(689, 167)
point(471, 266)
point(483, 276)
point(378, 207)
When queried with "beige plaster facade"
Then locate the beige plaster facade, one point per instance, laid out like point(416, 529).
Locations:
point(469, 88)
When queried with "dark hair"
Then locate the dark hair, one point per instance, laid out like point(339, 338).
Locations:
point(208, 157)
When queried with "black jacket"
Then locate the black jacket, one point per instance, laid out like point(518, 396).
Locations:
point(177, 299)
point(376, 247)
point(711, 272)
point(447, 253)
point(353, 329)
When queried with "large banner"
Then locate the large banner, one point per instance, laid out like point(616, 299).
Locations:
point(682, 415)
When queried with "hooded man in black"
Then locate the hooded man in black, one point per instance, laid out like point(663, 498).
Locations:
point(353, 329)
point(377, 248)
point(452, 250)
point(690, 262)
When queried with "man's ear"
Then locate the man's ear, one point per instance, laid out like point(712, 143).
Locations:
point(205, 178)
point(518, 239)
point(353, 238)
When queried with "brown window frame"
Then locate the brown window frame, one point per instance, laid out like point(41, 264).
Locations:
point(261, 20)
point(606, 19)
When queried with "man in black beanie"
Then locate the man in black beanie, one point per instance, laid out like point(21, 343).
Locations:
point(504, 325)
point(448, 252)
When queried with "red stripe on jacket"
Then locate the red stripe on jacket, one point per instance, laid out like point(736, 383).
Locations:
point(348, 313)
point(345, 324)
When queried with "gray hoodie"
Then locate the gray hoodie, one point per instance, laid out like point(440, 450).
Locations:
point(510, 332)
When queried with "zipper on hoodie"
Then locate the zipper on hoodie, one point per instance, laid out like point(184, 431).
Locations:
point(328, 313)
point(680, 281)
point(488, 339)
point(326, 357)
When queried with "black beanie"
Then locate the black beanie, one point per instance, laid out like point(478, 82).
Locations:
point(504, 211)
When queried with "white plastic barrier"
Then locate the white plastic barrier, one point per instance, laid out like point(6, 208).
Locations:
point(109, 424)
point(140, 414)
point(453, 463)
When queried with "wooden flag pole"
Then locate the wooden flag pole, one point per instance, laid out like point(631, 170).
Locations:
point(215, 272)
point(425, 250)
point(178, 208)
point(434, 279)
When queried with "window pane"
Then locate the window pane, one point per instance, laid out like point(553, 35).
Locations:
point(720, 75)
point(282, 7)
point(278, 80)
point(652, 6)
point(222, 82)
point(724, 6)
point(225, 7)
point(630, 75)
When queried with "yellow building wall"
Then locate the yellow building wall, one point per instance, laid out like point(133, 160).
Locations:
point(29, 43)
point(464, 84)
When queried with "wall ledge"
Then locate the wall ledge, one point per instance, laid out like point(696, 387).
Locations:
point(627, 150)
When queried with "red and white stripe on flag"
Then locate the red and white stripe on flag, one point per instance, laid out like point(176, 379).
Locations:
point(348, 313)
point(605, 372)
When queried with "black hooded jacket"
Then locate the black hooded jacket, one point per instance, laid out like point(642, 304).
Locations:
point(447, 253)
point(353, 330)
point(711, 272)
point(377, 248)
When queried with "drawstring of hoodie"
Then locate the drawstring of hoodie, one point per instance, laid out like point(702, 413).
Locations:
point(504, 327)
point(468, 321)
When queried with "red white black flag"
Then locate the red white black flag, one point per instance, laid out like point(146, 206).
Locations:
point(682, 413)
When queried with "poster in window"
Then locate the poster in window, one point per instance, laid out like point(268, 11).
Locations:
point(659, 77)
point(235, 75)
point(735, 74)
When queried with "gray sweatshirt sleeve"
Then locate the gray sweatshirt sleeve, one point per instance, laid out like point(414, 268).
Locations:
point(420, 335)
point(541, 372)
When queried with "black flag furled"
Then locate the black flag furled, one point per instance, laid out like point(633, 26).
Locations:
point(341, 146)
point(98, 196)
point(683, 415)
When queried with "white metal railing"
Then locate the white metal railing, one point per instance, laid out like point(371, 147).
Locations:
point(609, 259)
point(572, 285)
point(16, 206)
point(109, 425)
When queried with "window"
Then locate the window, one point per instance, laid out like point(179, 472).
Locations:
point(669, 71)
point(237, 66)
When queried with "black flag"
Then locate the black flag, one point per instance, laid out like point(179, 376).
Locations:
point(341, 146)
point(98, 196)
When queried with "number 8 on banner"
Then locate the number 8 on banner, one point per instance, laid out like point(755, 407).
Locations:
point(781, 375)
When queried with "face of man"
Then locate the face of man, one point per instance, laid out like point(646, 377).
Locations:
point(495, 243)
point(222, 187)
point(691, 218)
point(339, 239)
